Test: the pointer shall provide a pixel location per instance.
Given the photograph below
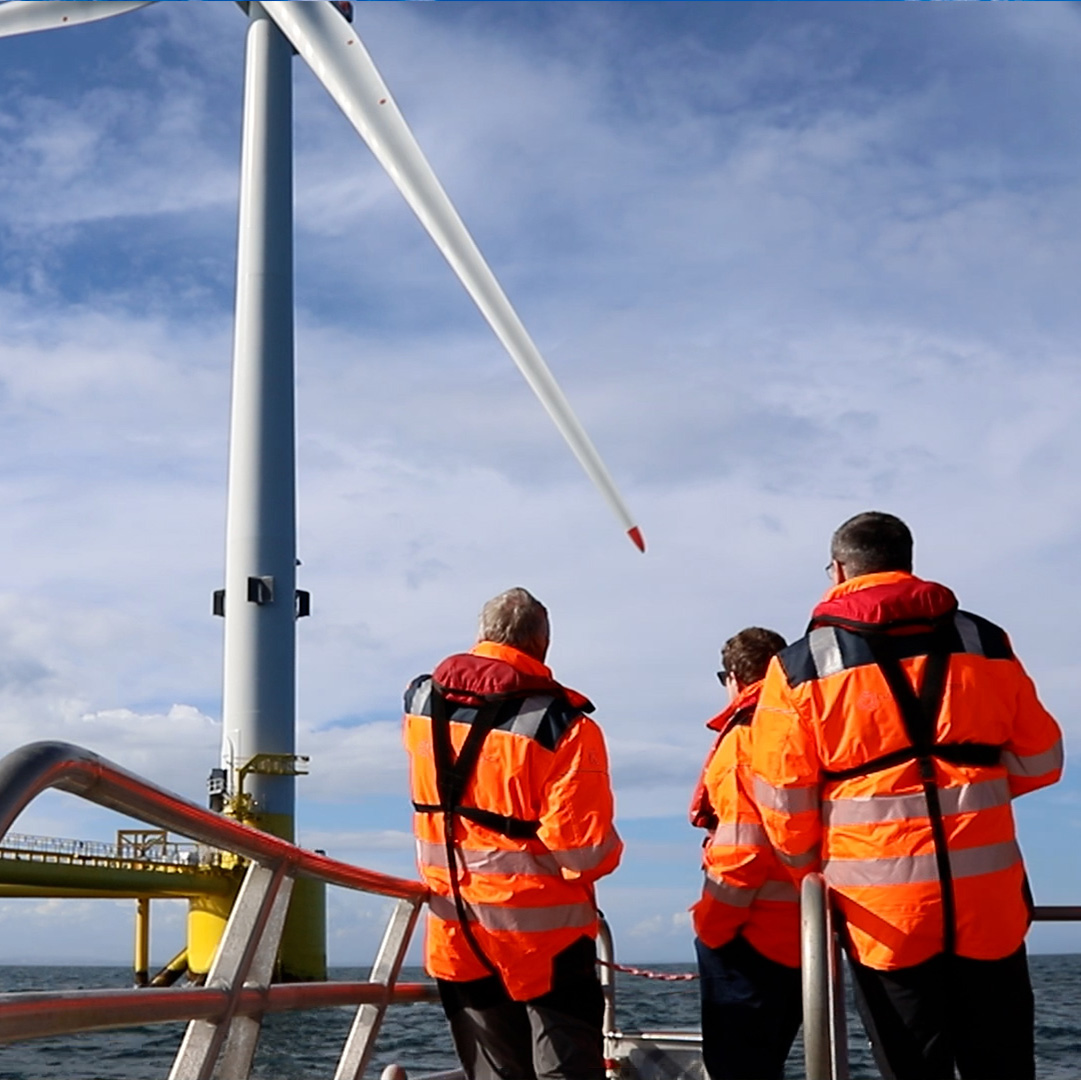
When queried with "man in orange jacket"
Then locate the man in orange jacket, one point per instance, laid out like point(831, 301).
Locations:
point(889, 743)
point(513, 820)
point(747, 921)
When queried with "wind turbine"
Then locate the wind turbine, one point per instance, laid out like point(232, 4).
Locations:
point(260, 601)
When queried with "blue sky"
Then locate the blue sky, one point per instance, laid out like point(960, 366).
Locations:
point(789, 262)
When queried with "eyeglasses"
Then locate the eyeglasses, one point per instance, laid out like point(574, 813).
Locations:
point(723, 676)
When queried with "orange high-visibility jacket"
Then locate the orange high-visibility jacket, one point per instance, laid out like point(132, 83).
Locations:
point(888, 744)
point(746, 890)
point(531, 825)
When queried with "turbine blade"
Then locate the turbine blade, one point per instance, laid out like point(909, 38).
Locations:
point(26, 16)
point(336, 55)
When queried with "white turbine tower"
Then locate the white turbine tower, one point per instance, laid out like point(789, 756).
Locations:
point(260, 601)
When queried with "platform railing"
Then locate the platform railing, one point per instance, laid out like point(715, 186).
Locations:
point(225, 1015)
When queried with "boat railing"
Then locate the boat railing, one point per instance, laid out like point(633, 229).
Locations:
point(825, 1035)
point(606, 955)
point(225, 1015)
point(825, 1044)
point(825, 1039)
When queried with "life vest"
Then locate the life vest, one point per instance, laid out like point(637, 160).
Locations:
point(746, 891)
point(889, 742)
point(513, 817)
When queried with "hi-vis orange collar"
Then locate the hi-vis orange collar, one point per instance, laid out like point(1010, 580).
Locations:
point(867, 581)
point(517, 659)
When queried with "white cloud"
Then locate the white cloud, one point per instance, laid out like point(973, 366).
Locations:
point(783, 273)
point(675, 924)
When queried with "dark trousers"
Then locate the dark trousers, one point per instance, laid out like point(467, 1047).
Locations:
point(751, 1011)
point(553, 1037)
point(976, 1015)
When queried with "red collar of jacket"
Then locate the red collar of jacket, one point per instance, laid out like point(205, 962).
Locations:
point(491, 668)
point(889, 600)
point(746, 698)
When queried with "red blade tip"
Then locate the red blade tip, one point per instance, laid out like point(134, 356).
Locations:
point(636, 538)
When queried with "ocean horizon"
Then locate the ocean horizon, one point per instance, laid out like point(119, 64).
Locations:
point(306, 1046)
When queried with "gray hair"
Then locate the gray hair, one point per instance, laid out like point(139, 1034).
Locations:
point(516, 618)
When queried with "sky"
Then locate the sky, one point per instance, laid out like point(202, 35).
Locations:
point(788, 261)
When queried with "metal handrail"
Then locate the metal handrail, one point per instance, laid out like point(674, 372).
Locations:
point(825, 1038)
point(606, 955)
point(224, 1016)
point(824, 1023)
point(36, 1015)
point(32, 769)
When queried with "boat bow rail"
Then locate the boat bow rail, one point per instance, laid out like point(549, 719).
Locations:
point(224, 1015)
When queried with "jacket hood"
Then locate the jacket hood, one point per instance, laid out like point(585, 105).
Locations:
point(891, 600)
point(490, 669)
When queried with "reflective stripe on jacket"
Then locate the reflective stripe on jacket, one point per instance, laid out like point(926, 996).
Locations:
point(918, 841)
point(746, 890)
point(526, 885)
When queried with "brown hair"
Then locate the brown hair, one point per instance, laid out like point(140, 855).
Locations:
point(748, 653)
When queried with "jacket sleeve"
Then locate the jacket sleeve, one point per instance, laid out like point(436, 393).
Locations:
point(1033, 756)
point(577, 807)
point(737, 855)
point(701, 813)
point(786, 774)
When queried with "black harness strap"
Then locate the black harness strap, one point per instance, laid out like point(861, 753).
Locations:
point(919, 713)
point(453, 774)
point(504, 824)
point(954, 753)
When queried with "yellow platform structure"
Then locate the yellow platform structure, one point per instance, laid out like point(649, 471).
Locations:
point(145, 865)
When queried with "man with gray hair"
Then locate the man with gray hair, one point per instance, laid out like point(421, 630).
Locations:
point(518, 619)
point(513, 820)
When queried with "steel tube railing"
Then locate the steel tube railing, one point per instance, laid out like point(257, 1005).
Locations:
point(224, 1016)
point(32, 769)
point(35, 1015)
point(825, 1052)
point(814, 945)
point(825, 1037)
point(606, 954)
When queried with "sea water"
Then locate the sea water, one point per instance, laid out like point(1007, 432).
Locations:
point(306, 1046)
